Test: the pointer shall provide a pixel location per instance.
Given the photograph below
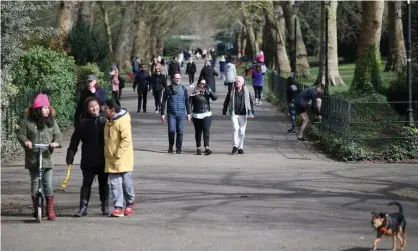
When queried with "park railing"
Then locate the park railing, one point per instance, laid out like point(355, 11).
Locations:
point(353, 120)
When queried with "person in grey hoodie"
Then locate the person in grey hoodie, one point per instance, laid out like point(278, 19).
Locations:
point(230, 74)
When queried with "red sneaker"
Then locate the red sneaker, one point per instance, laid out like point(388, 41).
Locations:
point(117, 213)
point(129, 209)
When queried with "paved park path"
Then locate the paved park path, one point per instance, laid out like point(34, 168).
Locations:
point(279, 195)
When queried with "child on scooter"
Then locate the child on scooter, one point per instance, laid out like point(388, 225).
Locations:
point(40, 127)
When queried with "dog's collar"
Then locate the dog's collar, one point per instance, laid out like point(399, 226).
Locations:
point(388, 225)
point(384, 228)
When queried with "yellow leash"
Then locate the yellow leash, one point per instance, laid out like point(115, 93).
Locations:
point(64, 183)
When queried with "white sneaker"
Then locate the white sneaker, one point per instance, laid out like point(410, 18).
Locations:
point(256, 101)
point(259, 102)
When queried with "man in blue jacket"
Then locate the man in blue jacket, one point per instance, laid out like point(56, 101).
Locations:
point(303, 101)
point(177, 100)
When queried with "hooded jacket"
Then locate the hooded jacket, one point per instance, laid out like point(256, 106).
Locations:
point(29, 131)
point(118, 150)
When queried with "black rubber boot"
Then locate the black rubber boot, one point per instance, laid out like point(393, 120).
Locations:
point(104, 198)
point(85, 192)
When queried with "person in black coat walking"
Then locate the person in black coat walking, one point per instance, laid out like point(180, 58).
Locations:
point(208, 74)
point(158, 84)
point(173, 68)
point(142, 81)
point(90, 131)
point(191, 70)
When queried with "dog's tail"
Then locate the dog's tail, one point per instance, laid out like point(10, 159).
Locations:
point(397, 204)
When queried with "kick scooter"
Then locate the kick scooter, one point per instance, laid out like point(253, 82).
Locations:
point(40, 193)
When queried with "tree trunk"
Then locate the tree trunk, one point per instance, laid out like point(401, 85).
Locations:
point(123, 45)
point(159, 46)
point(333, 72)
point(244, 41)
point(302, 64)
point(66, 17)
point(371, 25)
point(396, 56)
point(239, 42)
point(280, 43)
point(107, 26)
point(85, 12)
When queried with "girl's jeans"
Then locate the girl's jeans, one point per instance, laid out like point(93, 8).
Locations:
point(122, 187)
point(46, 181)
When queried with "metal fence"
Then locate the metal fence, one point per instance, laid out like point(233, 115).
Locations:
point(352, 119)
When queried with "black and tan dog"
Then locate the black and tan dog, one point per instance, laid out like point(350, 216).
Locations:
point(393, 225)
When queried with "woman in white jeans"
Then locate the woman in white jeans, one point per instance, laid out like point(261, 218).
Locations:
point(240, 105)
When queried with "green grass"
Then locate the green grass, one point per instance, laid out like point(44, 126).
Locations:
point(346, 73)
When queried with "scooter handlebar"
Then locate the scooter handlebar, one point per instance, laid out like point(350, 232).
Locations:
point(44, 146)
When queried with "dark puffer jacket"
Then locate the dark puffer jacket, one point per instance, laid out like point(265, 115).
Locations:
point(199, 103)
point(158, 83)
point(90, 131)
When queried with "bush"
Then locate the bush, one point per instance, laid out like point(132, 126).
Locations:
point(86, 47)
point(367, 78)
point(52, 72)
point(89, 69)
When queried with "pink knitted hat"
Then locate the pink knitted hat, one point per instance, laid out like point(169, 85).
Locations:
point(41, 100)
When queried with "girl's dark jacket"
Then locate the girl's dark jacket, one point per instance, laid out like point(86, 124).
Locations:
point(90, 131)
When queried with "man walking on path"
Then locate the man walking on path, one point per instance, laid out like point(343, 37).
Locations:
point(173, 67)
point(190, 71)
point(308, 98)
point(240, 105)
point(177, 100)
point(142, 80)
point(230, 74)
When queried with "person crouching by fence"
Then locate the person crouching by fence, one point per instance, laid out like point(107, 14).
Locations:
point(240, 105)
point(90, 131)
point(39, 127)
point(308, 98)
point(119, 157)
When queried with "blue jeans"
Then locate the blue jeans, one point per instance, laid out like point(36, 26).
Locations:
point(175, 125)
point(121, 186)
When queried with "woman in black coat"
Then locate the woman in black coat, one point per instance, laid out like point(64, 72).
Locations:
point(158, 85)
point(202, 114)
point(90, 131)
point(208, 73)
